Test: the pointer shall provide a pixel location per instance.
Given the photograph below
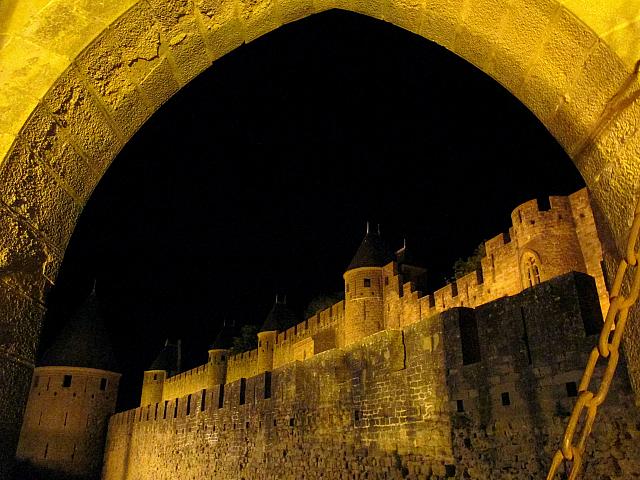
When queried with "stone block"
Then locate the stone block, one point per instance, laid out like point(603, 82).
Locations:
point(124, 53)
point(79, 113)
point(292, 10)
point(557, 65)
point(15, 379)
point(407, 14)
point(26, 72)
point(371, 8)
point(479, 31)
point(159, 85)
point(178, 21)
point(258, 17)
point(221, 24)
point(20, 324)
point(441, 21)
point(56, 152)
point(32, 192)
point(26, 263)
point(592, 98)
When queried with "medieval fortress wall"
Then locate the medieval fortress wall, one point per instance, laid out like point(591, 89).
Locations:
point(474, 380)
point(561, 239)
point(466, 393)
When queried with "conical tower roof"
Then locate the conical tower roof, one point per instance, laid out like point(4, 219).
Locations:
point(83, 341)
point(223, 339)
point(280, 317)
point(168, 359)
point(372, 252)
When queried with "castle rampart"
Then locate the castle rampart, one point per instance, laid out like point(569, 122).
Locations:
point(466, 393)
point(540, 245)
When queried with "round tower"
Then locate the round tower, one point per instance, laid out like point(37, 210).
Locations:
point(363, 285)
point(166, 364)
point(72, 396)
point(280, 318)
point(218, 356)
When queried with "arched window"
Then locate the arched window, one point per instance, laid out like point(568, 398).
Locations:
point(530, 269)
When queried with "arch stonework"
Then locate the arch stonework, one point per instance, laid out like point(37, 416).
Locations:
point(79, 77)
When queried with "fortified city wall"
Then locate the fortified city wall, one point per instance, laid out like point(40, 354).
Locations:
point(465, 393)
point(560, 238)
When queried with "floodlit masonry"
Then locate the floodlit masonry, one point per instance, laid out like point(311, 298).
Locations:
point(381, 293)
point(73, 393)
point(474, 381)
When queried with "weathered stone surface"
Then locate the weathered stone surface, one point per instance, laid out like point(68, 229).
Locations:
point(398, 404)
point(76, 110)
point(20, 328)
point(128, 49)
point(221, 24)
point(405, 13)
point(31, 191)
point(258, 17)
point(15, 378)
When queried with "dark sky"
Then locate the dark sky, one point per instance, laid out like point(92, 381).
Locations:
point(258, 177)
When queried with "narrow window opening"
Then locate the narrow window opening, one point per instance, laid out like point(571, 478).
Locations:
point(356, 415)
point(506, 400)
point(460, 406)
point(267, 385)
point(73, 454)
point(155, 414)
point(469, 337)
point(36, 380)
point(221, 397)
point(66, 415)
point(155, 376)
point(175, 409)
point(572, 389)
point(367, 282)
point(292, 422)
point(103, 384)
point(203, 400)
point(188, 405)
point(46, 450)
point(243, 390)
point(525, 336)
point(386, 281)
point(66, 381)
point(164, 414)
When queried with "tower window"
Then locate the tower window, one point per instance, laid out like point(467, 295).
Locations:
point(460, 406)
point(572, 389)
point(367, 282)
point(103, 384)
point(66, 381)
point(347, 287)
point(506, 400)
point(155, 376)
point(386, 280)
point(531, 270)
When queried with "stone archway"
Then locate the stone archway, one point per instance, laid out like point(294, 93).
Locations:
point(80, 77)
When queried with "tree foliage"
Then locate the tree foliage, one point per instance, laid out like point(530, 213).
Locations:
point(248, 339)
point(322, 302)
point(462, 267)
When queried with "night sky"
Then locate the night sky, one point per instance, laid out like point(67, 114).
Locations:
point(258, 177)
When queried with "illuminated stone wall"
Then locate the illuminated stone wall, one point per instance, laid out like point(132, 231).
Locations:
point(80, 77)
point(432, 399)
point(563, 238)
point(65, 424)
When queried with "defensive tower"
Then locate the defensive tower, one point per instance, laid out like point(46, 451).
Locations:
point(218, 357)
point(166, 364)
point(73, 394)
point(279, 318)
point(363, 286)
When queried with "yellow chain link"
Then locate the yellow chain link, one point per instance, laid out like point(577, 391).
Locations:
point(608, 347)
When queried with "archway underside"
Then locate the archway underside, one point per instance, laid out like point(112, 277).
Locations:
point(80, 77)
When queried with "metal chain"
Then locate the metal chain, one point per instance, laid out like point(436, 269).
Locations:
point(609, 348)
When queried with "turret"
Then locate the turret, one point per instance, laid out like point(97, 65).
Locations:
point(280, 317)
point(72, 396)
point(218, 356)
point(166, 364)
point(363, 284)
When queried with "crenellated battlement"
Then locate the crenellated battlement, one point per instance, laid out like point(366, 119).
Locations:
point(541, 244)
